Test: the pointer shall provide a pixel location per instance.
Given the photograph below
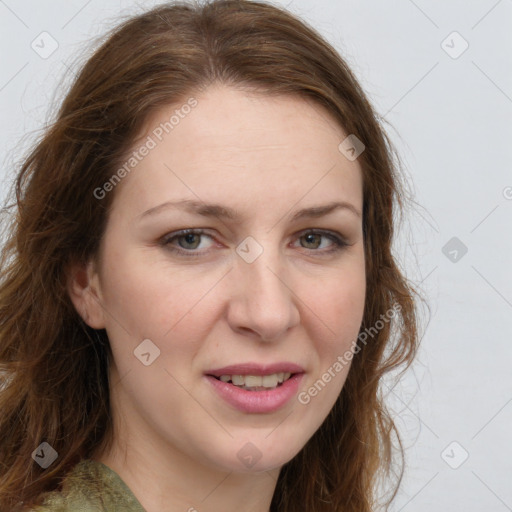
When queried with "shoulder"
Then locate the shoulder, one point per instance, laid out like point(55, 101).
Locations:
point(90, 487)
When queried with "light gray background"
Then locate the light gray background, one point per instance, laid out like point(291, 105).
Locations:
point(451, 121)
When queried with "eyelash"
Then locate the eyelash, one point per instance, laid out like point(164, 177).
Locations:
point(338, 242)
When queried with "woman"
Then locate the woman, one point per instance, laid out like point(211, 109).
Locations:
point(198, 295)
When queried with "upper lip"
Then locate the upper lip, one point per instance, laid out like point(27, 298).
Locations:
point(256, 369)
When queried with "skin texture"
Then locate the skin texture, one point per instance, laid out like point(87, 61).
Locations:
point(176, 441)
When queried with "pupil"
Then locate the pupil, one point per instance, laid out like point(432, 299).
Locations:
point(189, 239)
point(310, 238)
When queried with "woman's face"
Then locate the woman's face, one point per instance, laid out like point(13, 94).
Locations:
point(269, 282)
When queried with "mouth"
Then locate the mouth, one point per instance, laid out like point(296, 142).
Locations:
point(256, 382)
point(255, 388)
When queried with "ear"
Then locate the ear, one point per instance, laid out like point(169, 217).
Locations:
point(85, 293)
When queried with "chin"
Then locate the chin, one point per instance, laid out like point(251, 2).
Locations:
point(255, 454)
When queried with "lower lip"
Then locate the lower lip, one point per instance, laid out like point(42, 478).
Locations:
point(257, 401)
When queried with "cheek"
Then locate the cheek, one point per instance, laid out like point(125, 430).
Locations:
point(336, 315)
point(155, 300)
point(338, 306)
point(171, 309)
point(339, 303)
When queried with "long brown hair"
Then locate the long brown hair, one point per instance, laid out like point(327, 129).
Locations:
point(54, 367)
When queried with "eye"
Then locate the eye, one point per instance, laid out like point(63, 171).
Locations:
point(188, 240)
point(314, 240)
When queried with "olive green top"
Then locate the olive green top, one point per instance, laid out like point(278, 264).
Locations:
point(91, 487)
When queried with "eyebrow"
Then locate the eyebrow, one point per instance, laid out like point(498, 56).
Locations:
point(223, 212)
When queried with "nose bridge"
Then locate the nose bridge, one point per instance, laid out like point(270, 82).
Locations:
point(263, 276)
point(260, 275)
point(264, 303)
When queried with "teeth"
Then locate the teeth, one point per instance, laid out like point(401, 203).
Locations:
point(253, 381)
point(256, 381)
point(238, 380)
point(269, 381)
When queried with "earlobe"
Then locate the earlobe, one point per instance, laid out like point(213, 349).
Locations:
point(85, 293)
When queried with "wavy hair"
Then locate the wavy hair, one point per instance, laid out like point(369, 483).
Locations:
point(53, 366)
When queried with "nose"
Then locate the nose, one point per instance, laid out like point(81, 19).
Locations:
point(263, 304)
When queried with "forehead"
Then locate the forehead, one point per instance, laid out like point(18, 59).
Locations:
point(233, 146)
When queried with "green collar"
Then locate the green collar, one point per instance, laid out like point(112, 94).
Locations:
point(91, 486)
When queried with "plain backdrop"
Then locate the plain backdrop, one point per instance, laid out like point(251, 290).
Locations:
point(439, 73)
